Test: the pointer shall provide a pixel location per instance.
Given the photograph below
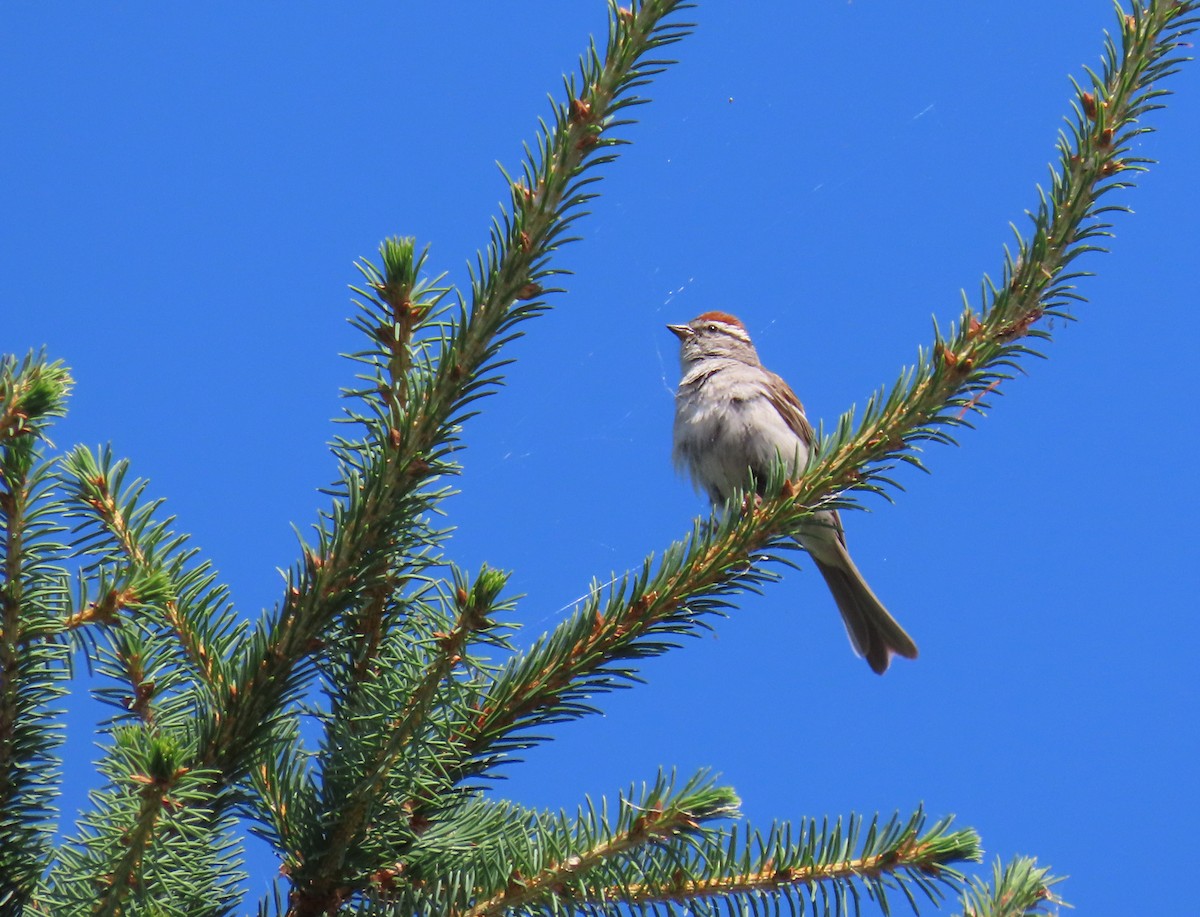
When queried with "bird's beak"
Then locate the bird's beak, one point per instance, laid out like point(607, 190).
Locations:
point(683, 332)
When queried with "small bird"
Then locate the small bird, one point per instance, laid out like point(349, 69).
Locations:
point(734, 417)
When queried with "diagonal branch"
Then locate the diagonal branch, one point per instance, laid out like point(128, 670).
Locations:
point(400, 462)
point(826, 864)
point(144, 555)
point(661, 818)
point(695, 576)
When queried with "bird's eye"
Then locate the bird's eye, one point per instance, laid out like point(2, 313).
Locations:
point(712, 326)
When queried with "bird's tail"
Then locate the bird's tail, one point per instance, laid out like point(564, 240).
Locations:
point(875, 634)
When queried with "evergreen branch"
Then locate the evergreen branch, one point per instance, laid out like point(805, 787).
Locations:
point(825, 869)
point(149, 847)
point(144, 564)
point(284, 798)
point(150, 687)
point(119, 883)
point(592, 650)
point(400, 304)
point(571, 851)
point(153, 843)
point(1019, 889)
point(385, 477)
point(32, 392)
point(660, 854)
point(697, 575)
point(33, 656)
point(483, 849)
point(169, 628)
point(349, 589)
point(315, 886)
point(372, 628)
point(542, 200)
point(976, 356)
point(470, 850)
point(278, 657)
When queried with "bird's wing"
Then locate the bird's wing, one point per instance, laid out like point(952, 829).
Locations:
point(789, 408)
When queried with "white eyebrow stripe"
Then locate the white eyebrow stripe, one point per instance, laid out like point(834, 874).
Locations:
point(735, 331)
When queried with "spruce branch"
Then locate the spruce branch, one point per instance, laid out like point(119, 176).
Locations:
point(33, 655)
point(593, 650)
point(386, 472)
point(322, 870)
point(153, 843)
point(575, 853)
point(1019, 888)
point(827, 869)
point(979, 353)
point(162, 628)
point(283, 807)
point(451, 364)
point(697, 575)
point(662, 854)
point(32, 393)
point(546, 199)
point(387, 475)
point(154, 777)
point(399, 304)
point(139, 564)
point(469, 852)
point(385, 821)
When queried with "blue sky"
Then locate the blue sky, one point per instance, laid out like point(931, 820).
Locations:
point(187, 189)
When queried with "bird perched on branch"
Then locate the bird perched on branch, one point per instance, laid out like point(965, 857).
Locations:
point(733, 418)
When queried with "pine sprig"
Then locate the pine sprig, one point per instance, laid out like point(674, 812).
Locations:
point(160, 626)
point(593, 650)
point(165, 625)
point(155, 776)
point(547, 198)
point(32, 393)
point(364, 783)
point(1019, 888)
point(283, 808)
point(662, 854)
point(138, 563)
point(824, 869)
point(152, 843)
point(33, 598)
point(573, 858)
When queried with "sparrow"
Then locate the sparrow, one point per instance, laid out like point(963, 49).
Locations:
point(735, 418)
